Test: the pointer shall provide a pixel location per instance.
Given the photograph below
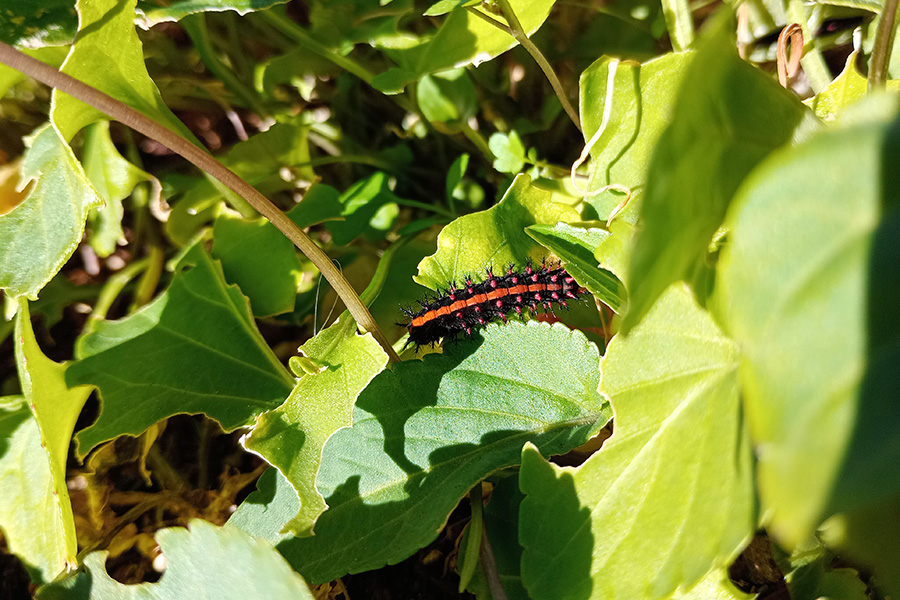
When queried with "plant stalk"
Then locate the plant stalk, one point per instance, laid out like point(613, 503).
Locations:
point(515, 29)
point(884, 43)
point(132, 118)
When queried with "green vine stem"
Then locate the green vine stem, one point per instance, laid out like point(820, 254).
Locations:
point(884, 44)
point(132, 118)
point(515, 29)
point(680, 23)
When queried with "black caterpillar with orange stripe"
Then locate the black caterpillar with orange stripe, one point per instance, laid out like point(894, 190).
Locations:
point(463, 309)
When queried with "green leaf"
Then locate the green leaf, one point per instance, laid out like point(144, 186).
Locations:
point(266, 510)
point(42, 524)
point(361, 203)
point(292, 436)
point(463, 39)
point(447, 98)
point(455, 175)
point(205, 560)
point(108, 55)
point(36, 23)
point(670, 495)
point(149, 14)
point(808, 289)
point(641, 109)
point(847, 88)
point(113, 177)
point(728, 117)
point(260, 260)
point(40, 234)
point(194, 349)
point(30, 516)
point(427, 431)
point(575, 245)
point(319, 204)
point(494, 237)
point(509, 152)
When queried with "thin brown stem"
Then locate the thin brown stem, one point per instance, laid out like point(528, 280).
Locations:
point(515, 29)
point(884, 43)
point(132, 118)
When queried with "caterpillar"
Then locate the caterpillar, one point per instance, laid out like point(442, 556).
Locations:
point(457, 310)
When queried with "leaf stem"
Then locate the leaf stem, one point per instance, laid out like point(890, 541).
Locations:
point(132, 118)
point(884, 43)
point(489, 566)
point(473, 542)
point(300, 35)
point(195, 25)
point(515, 29)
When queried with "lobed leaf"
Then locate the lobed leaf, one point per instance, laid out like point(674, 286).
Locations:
point(494, 237)
point(576, 245)
point(670, 495)
point(194, 349)
point(425, 432)
point(292, 436)
point(108, 55)
point(33, 524)
point(728, 117)
point(808, 289)
point(39, 235)
point(205, 560)
point(260, 260)
point(641, 109)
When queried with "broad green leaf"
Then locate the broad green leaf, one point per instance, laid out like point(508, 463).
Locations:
point(728, 116)
point(149, 14)
point(265, 511)
point(292, 436)
point(37, 23)
point(509, 152)
point(40, 234)
point(55, 409)
point(260, 260)
point(427, 431)
point(447, 99)
point(194, 349)
point(204, 561)
point(260, 159)
point(614, 253)
point(108, 55)
point(641, 109)
point(463, 39)
point(576, 245)
point(501, 525)
point(361, 203)
point(113, 177)
point(319, 204)
point(455, 175)
point(670, 495)
point(807, 288)
point(30, 516)
point(495, 237)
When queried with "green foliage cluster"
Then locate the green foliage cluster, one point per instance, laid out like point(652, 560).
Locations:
point(739, 247)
